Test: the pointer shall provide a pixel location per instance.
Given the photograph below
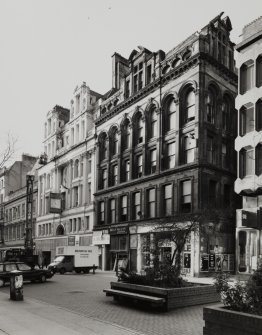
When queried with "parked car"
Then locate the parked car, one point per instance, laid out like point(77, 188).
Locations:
point(29, 273)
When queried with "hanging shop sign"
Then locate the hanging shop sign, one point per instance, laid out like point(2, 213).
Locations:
point(118, 230)
point(55, 203)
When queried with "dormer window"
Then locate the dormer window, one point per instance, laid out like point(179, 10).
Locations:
point(138, 77)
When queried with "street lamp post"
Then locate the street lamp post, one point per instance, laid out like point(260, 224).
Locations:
point(29, 214)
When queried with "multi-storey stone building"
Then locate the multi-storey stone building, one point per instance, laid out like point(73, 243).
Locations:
point(66, 181)
point(248, 144)
point(165, 145)
point(13, 202)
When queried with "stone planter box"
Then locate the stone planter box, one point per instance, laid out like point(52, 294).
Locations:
point(219, 320)
point(175, 297)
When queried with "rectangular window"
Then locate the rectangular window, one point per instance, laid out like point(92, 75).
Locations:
point(76, 199)
point(186, 190)
point(212, 193)
point(149, 74)
point(103, 178)
point(87, 223)
point(115, 175)
point(139, 163)
point(126, 170)
point(151, 203)
point(167, 201)
point(171, 155)
point(210, 149)
point(18, 211)
point(247, 121)
point(112, 211)
point(246, 77)
point(102, 212)
point(224, 156)
point(259, 159)
point(153, 161)
point(23, 210)
point(136, 197)
point(190, 144)
point(123, 208)
point(127, 88)
point(247, 162)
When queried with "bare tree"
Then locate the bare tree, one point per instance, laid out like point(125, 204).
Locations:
point(178, 229)
point(7, 153)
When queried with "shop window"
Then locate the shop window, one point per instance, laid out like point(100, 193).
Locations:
point(247, 122)
point(259, 71)
point(246, 76)
point(112, 211)
point(171, 155)
point(246, 162)
point(118, 242)
point(259, 115)
point(151, 202)
point(152, 161)
point(167, 200)
point(123, 208)
point(136, 199)
point(186, 197)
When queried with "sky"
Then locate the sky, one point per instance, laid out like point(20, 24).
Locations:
point(49, 47)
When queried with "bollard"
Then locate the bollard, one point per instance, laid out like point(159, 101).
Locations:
point(94, 267)
point(16, 285)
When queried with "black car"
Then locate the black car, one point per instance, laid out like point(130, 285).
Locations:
point(29, 274)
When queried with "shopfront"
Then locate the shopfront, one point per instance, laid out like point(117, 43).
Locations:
point(101, 238)
point(119, 245)
point(248, 242)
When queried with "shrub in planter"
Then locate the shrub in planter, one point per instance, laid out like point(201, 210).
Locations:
point(242, 297)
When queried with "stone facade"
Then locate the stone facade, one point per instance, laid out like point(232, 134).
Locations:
point(165, 145)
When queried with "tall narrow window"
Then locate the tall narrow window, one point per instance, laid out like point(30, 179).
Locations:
point(126, 175)
point(139, 127)
point(210, 150)
point(127, 88)
point(170, 114)
point(212, 193)
point(258, 159)
point(76, 168)
point(153, 123)
point(139, 165)
point(186, 196)
point(136, 206)
point(171, 155)
point(190, 106)
point(103, 178)
point(259, 115)
point(226, 110)
point(224, 155)
point(153, 161)
point(103, 148)
point(246, 162)
point(246, 76)
point(112, 211)
point(102, 212)
point(126, 135)
point(247, 122)
point(167, 201)
point(149, 74)
point(114, 175)
point(210, 106)
point(123, 208)
point(114, 143)
point(151, 203)
point(189, 148)
point(259, 71)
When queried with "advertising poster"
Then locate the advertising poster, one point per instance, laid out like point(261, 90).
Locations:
point(212, 266)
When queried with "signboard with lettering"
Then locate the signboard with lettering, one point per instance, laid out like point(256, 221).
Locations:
point(71, 240)
point(118, 230)
point(99, 238)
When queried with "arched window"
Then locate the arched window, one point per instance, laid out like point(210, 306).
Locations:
point(103, 147)
point(114, 142)
point(76, 168)
point(125, 135)
point(60, 230)
point(170, 115)
point(138, 129)
point(226, 111)
point(152, 131)
point(211, 106)
point(189, 105)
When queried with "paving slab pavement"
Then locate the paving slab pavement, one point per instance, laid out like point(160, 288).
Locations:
point(31, 317)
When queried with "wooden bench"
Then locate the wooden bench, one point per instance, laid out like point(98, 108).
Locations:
point(135, 296)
